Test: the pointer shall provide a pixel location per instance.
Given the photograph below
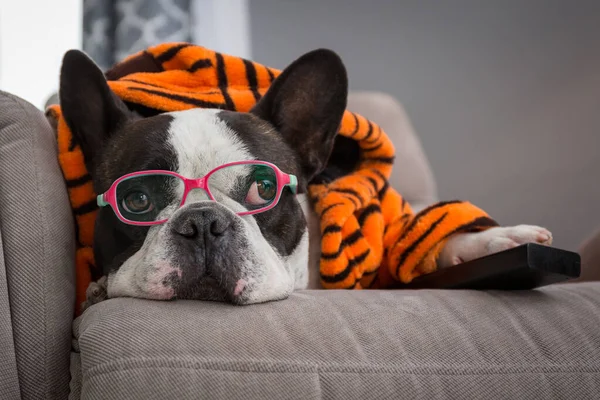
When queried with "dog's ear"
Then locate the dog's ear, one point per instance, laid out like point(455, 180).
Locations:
point(90, 108)
point(306, 104)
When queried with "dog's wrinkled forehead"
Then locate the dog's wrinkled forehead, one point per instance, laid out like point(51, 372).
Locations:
point(202, 141)
point(205, 139)
point(193, 142)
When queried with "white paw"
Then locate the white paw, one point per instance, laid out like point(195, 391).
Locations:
point(469, 246)
point(95, 293)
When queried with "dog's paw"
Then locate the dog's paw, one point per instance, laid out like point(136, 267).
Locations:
point(95, 293)
point(469, 246)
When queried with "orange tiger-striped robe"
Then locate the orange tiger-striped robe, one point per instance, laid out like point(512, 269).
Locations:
point(370, 236)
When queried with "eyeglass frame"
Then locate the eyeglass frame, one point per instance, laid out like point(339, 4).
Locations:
point(109, 198)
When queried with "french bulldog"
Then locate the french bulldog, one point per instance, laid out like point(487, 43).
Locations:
point(206, 245)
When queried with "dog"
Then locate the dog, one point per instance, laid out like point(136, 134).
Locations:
point(212, 250)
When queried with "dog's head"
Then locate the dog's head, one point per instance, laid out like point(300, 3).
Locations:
point(205, 249)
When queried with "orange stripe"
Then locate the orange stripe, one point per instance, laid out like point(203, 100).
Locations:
point(262, 76)
point(348, 124)
point(83, 258)
point(72, 164)
point(82, 194)
point(86, 228)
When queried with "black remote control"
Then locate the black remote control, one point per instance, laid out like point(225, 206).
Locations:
point(524, 267)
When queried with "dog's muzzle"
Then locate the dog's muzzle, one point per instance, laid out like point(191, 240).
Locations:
point(209, 248)
point(203, 223)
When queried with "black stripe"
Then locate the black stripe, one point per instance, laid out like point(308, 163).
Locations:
point(374, 140)
point(252, 79)
point(71, 183)
point(355, 124)
point(476, 224)
point(329, 207)
point(370, 131)
point(383, 190)
point(77, 235)
point(271, 76)
point(348, 191)
point(351, 264)
point(370, 209)
point(158, 86)
point(331, 229)
point(367, 274)
point(352, 238)
point(395, 221)
point(403, 203)
point(86, 208)
point(354, 201)
point(384, 160)
point(436, 206)
point(381, 175)
point(373, 182)
point(72, 142)
point(140, 82)
point(315, 199)
point(348, 241)
point(414, 245)
point(222, 76)
point(424, 212)
point(200, 64)
point(368, 149)
point(183, 99)
point(169, 54)
point(399, 219)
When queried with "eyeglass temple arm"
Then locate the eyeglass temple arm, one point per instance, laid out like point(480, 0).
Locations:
point(293, 184)
point(101, 201)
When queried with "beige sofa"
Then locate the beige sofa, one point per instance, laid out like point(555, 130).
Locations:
point(317, 344)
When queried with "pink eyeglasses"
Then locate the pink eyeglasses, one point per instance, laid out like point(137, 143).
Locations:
point(151, 197)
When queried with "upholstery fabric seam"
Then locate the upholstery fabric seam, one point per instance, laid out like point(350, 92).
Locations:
point(375, 368)
point(318, 370)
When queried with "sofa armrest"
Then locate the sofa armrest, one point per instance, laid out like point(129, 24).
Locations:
point(590, 259)
point(38, 245)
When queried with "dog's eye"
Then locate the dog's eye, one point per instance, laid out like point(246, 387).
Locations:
point(261, 192)
point(137, 203)
point(266, 189)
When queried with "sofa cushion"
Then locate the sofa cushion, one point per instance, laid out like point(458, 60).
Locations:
point(37, 248)
point(347, 344)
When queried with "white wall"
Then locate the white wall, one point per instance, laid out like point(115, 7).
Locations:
point(222, 25)
point(505, 95)
point(34, 35)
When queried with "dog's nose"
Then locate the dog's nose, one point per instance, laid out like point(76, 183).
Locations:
point(202, 220)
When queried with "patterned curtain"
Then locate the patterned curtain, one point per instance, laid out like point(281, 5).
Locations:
point(115, 29)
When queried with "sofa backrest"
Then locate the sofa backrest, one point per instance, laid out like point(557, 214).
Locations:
point(411, 176)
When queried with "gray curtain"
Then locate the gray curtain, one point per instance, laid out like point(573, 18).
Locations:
point(114, 29)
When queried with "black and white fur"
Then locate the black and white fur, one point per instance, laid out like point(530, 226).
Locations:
point(248, 259)
point(205, 251)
